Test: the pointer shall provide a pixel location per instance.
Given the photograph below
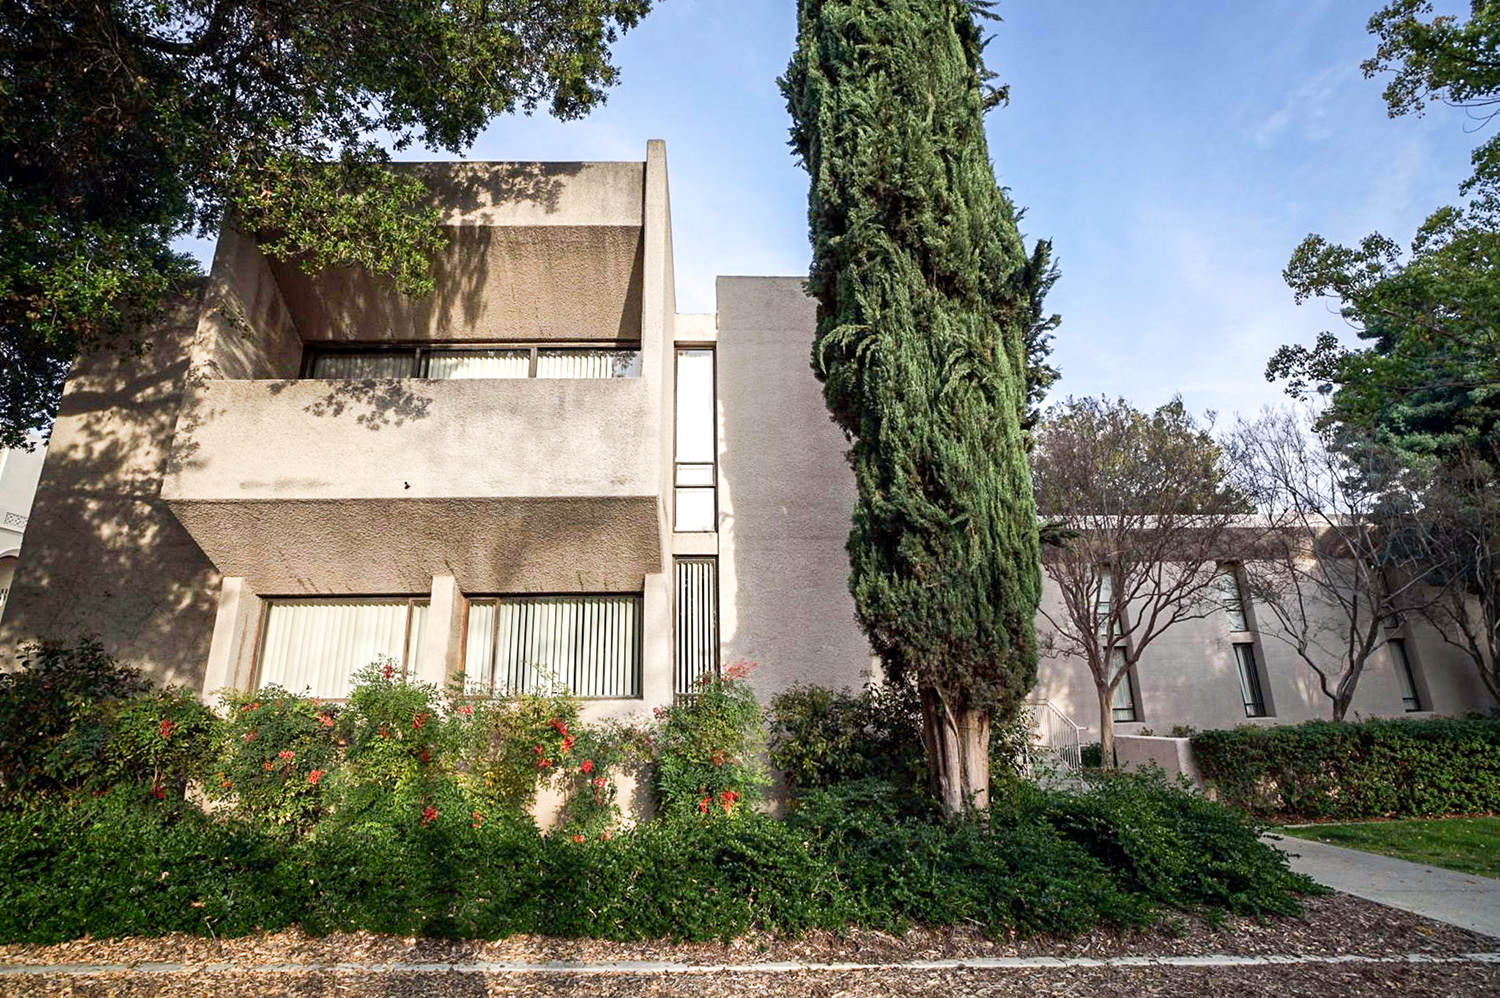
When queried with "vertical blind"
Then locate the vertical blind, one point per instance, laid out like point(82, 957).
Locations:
point(317, 645)
point(697, 622)
point(450, 365)
point(588, 363)
point(590, 645)
point(376, 364)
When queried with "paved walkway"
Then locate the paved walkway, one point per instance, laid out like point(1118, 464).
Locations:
point(1463, 899)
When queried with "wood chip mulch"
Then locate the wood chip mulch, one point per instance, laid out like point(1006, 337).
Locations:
point(1332, 924)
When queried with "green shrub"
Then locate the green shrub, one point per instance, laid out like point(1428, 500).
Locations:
point(1325, 769)
point(820, 736)
point(709, 749)
point(53, 726)
point(278, 753)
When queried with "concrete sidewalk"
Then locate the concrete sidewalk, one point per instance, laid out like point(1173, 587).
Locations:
point(1462, 899)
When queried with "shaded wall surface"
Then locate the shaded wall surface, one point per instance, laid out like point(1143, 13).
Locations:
point(103, 554)
point(785, 496)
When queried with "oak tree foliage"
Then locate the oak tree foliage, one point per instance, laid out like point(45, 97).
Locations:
point(127, 123)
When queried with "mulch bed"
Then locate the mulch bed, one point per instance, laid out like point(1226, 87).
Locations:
point(1333, 925)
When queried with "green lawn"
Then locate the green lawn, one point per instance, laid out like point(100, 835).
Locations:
point(1469, 845)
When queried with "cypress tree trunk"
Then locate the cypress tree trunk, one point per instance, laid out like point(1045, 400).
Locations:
point(923, 305)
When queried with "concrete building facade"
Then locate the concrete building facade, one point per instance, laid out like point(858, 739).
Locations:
point(542, 473)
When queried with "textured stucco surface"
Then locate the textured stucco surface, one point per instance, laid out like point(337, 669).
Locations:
point(785, 498)
point(396, 546)
point(103, 554)
point(415, 438)
point(534, 282)
point(245, 329)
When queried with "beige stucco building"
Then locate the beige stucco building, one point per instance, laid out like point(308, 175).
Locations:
point(541, 473)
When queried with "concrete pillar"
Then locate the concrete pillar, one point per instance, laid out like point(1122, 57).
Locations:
point(442, 645)
point(231, 650)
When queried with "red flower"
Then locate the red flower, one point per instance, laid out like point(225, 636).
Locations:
point(558, 726)
point(727, 799)
point(578, 839)
point(717, 758)
point(158, 792)
point(250, 706)
point(325, 720)
point(567, 743)
point(703, 805)
point(267, 766)
point(738, 670)
point(599, 781)
point(587, 767)
point(250, 736)
point(606, 835)
point(429, 815)
point(226, 784)
point(538, 750)
point(387, 671)
point(383, 733)
point(416, 722)
point(286, 754)
point(466, 710)
point(315, 776)
point(478, 820)
point(424, 756)
point(167, 727)
point(543, 762)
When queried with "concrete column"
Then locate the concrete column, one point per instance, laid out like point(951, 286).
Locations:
point(231, 650)
point(442, 645)
point(657, 646)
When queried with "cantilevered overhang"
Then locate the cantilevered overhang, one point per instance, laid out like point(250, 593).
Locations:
point(311, 486)
point(390, 546)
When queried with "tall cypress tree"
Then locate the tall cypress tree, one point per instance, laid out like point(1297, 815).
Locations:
point(924, 300)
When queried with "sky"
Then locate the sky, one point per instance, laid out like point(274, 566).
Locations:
point(1174, 151)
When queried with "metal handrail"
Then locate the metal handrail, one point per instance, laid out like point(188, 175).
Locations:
point(1057, 732)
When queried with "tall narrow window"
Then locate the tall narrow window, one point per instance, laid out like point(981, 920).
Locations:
point(1250, 691)
point(1227, 585)
point(318, 645)
point(1122, 706)
point(1102, 603)
point(697, 622)
point(694, 498)
point(589, 645)
point(1410, 698)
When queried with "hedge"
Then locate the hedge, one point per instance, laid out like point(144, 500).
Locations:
point(1368, 769)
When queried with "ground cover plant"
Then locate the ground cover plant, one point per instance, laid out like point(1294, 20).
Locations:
point(407, 810)
point(1370, 769)
point(1468, 845)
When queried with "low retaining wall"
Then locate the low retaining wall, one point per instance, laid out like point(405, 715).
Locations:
point(1173, 755)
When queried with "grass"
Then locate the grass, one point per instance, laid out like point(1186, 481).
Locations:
point(1468, 845)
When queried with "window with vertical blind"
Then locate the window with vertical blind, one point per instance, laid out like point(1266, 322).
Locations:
point(697, 623)
point(589, 645)
point(317, 645)
point(452, 362)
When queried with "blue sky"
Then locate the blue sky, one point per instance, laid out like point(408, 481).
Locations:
point(1175, 151)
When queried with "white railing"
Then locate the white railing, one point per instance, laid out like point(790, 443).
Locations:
point(1056, 732)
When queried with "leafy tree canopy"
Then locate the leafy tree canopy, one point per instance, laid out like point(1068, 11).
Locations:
point(1427, 375)
point(126, 123)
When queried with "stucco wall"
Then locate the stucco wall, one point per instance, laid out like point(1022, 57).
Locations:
point(244, 329)
point(1188, 676)
point(103, 554)
point(532, 282)
point(785, 496)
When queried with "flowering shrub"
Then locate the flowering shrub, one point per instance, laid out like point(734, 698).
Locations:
point(602, 752)
point(158, 742)
point(709, 749)
point(273, 743)
point(510, 746)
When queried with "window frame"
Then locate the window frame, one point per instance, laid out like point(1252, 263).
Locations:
point(490, 690)
point(678, 349)
point(311, 352)
point(1401, 661)
point(678, 639)
point(263, 625)
point(1131, 687)
point(1253, 692)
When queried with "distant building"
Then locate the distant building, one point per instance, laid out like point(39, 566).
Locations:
point(19, 472)
point(541, 473)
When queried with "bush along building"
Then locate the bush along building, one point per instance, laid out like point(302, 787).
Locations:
point(541, 474)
